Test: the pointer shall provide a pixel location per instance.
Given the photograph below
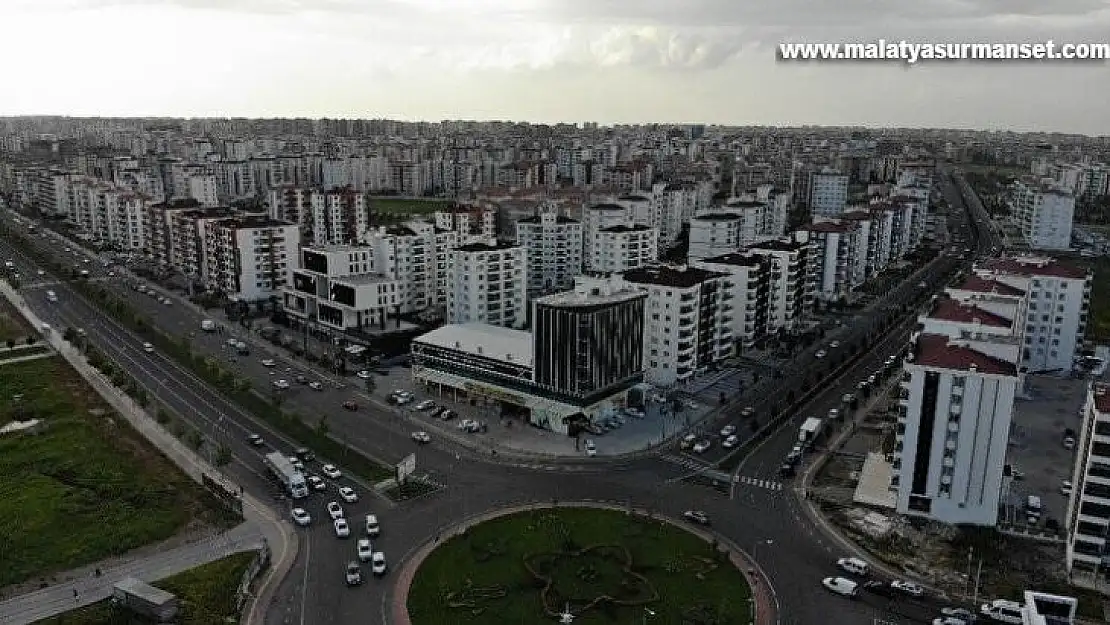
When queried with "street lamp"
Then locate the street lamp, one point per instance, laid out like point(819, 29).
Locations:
point(647, 613)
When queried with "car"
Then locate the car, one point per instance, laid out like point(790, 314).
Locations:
point(300, 379)
point(688, 441)
point(316, 482)
point(342, 530)
point(304, 454)
point(702, 446)
point(447, 415)
point(331, 471)
point(335, 511)
point(728, 431)
point(425, 405)
point(348, 494)
point(747, 412)
point(854, 566)
point(256, 440)
point(786, 469)
point(841, 586)
point(302, 517)
point(949, 620)
point(377, 563)
point(1065, 487)
point(820, 354)
point(148, 348)
point(365, 551)
point(363, 374)
point(316, 386)
point(834, 344)
point(354, 574)
point(297, 464)
point(696, 516)
point(910, 588)
point(730, 442)
point(41, 273)
point(882, 589)
point(281, 385)
point(961, 613)
point(848, 398)
point(591, 448)
point(269, 362)
point(351, 405)
point(372, 526)
point(421, 437)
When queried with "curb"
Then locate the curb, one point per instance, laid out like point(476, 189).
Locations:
point(766, 607)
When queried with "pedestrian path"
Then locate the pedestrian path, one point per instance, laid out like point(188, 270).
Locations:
point(760, 482)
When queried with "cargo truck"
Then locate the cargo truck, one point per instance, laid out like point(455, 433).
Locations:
point(807, 434)
point(287, 475)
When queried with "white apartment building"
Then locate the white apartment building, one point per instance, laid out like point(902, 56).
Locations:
point(335, 287)
point(203, 188)
point(249, 257)
point(792, 282)
point(1043, 213)
point(641, 208)
point(1088, 514)
point(406, 253)
point(750, 275)
point(488, 284)
point(835, 246)
point(619, 248)
point(955, 409)
point(715, 234)
point(468, 223)
point(235, 180)
point(105, 213)
point(776, 209)
point(687, 320)
point(553, 245)
point(1059, 301)
point(594, 219)
point(828, 192)
point(334, 217)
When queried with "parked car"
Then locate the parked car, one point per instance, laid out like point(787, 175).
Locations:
point(910, 588)
point(591, 448)
point(854, 566)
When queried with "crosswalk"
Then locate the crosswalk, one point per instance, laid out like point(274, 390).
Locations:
point(686, 462)
point(760, 483)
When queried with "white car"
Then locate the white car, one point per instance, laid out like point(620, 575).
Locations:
point(331, 471)
point(854, 566)
point(728, 431)
point(335, 511)
point(341, 528)
point(834, 344)
point(909, 588)
point(949, 620)
point(269, 362)
point(421, 437)
point(702, 446)
point(348, 494)
point(256, 440)
point(841, 586)
point(316, 386)
point(297, 464)
point(364, 374)
point(281, 385)
point(316, 482)
point(731, 441)
point(1065, 488)
point(302, 517)
point(377, 563)
point(591, 448)
point(425, 405)
point(372, 526)
point(148, 348)
point(365, 551)
point(41, 272)
point(820, 353)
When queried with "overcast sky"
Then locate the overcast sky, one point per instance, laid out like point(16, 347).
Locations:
point(711, 61)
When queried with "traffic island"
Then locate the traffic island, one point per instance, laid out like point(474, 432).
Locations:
point(599, 564)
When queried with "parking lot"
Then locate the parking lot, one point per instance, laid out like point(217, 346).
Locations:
point(1036, 449)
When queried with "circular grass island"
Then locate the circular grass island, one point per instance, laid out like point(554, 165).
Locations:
point(609, 566)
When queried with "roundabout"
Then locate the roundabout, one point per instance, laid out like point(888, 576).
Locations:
point(600, 564)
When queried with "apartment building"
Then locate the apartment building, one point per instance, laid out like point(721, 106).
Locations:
point(1059, 300)
point(619, 248)
point(750, 275)
point(828, 192)
point(835, 245)
point(488, 284)
point(792, 282)
point(1088, 514)
point(1043, 213)
point(596, 218)
point(872, 252)
point(468, 223)
point(249, 257)
point(406, 253)
point(337, 288)
point(553, 245)
point(334, 217)
point(107, 214)
point(955, 410)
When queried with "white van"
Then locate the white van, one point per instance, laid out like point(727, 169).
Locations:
point(854, 566)
point(51, 296)
point(1002, 611)
point(1033, 509)
point(208, 325)
point(841, 586)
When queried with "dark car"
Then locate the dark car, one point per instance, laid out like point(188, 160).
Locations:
point(350, 405)
point(879, 588)
point(787, 470)
point(304, 454)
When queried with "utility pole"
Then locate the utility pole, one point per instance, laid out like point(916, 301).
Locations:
point(968, 582)
point(978, 574)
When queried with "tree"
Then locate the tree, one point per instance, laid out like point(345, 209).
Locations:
point(223, 455)
point(322, 427)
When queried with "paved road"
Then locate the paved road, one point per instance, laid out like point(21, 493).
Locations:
point(315, 593)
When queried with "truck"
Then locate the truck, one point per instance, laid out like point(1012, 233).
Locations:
point(208, 325)
point(146, 600)
point(287, 475)
point(809, 431)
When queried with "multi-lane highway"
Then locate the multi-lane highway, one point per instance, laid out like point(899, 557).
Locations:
point(765, 522)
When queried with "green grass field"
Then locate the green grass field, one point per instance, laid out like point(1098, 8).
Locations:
point(1098, 329)
point(521, 568)
point(207, 595)
point(12, 324)
point(407, 206)
point(86, 487)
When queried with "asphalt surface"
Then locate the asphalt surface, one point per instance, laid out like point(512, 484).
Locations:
point(795, 559)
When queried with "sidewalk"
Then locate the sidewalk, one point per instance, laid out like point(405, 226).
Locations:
point(766, 603)
point(264, 524)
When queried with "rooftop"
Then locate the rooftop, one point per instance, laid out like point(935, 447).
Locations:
point(717, 217)
point(948, 309)
point(362, 278)
point(744, 204)
point(984, 285)
point(607, 207)
point(634, 198)
point(589, 296)
point(827, 226)
point(484, 340)
point(486, 247)
point(626, 228)
point(938, 351)
point(1041, 266)
point(400, 231)
point(535, 219)
point(682, 277)
point(736, 260)
point(779, 245)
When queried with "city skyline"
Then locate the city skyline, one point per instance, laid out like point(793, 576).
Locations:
point(711, 62)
